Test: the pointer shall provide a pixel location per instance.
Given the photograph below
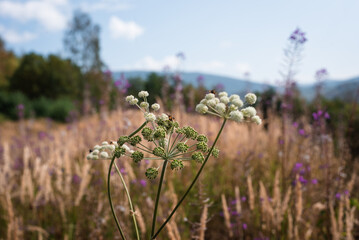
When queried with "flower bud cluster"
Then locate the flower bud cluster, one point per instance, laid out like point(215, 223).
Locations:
point(182, 147)
point(176, 164)
point(151, 173)
point(137, 156)
point(230, 107)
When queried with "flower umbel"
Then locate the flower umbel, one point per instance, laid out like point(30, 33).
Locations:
point(231, 107)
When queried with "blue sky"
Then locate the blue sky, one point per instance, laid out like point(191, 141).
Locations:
point(223, 37)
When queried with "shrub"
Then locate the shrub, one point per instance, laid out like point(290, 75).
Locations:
point(60, 109)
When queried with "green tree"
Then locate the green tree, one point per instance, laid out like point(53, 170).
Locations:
point(51, 77)
point(8, 63)
point(154, 85)
point(82, 42)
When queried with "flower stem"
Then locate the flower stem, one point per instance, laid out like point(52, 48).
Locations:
point(192, 184)
point(130, 202)
point(158, 197)
point(109, 186)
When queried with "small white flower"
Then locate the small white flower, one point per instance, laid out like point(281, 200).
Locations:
point(233, 107)
point(95, 152)
point(143, 94)
point(249, 111)
point(224, 99)
point(129, 98)
point(163, 117)
point(111, 147)
point(134, 101)
point(221, 108)
point(250, 98)
point(210, 96)
point(217, 100)
point(150, 117)
point(257, 120)
point(155, 106)
point(104, 143)
point(104, 155)
point(212, 102)
point(89, 156)
point(203, 101)
point(236, 116)
point(144, 105)
point(126, 148)
point(238, 102)
point(97, 147)
point(201, 108)
point(233, 96)
point(223, 94)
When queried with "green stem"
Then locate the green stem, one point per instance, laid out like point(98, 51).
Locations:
point(130, 202)
point(193, 182)
point(109, 186)
point(158, 197)
point(174, 142)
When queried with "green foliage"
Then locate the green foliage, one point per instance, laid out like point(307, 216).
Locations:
point(60, 109)
point(9, 103)
point(8, 63)
point(154, 85)
point(56, 109)
point(51, 77)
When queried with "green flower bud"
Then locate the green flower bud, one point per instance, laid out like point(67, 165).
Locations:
point(198, 157)
point(135, 140)
point(182, 147)
point(122, 140)
point(151, 173)
point(119, 151)
point(189, 132)
point(137, 156)
point(202, 146)
point(160, 133)
point(202, 138)
point(146, 132)
point(176, 165)
point(215, 152)
point(180, 130)
point(159, 151)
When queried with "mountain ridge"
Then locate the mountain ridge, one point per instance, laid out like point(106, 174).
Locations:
point(344, 89)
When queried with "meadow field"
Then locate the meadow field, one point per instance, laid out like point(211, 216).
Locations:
point(247, 127)
point(264, 185)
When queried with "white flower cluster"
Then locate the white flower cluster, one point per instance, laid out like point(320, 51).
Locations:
point(144, 106)
point(230, 107)
point(106, 150)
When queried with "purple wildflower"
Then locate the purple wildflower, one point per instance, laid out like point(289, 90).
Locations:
point(338, 195)
point(244, 226)
point(143, 183)
point(301, 132)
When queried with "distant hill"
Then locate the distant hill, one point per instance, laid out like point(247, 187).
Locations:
point(345, 89)
point(231, 85)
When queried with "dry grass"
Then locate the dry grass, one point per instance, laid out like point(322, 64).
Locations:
point(49, 190)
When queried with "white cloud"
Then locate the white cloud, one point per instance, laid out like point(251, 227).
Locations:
point(122, 29)
point(151, 64)
point(210, 66)
point(14, 37)
point(242, 68)
point(104, 5)
point(46, 12)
